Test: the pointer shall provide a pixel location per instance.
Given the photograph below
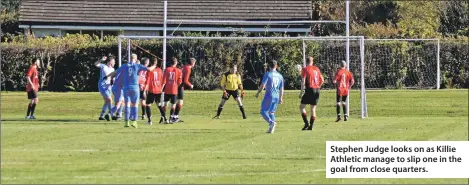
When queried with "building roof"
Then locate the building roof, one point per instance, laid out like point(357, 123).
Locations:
point(146, 12)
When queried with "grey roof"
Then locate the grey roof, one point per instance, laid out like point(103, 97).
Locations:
point(151, 12)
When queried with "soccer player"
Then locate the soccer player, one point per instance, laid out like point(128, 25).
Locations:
point(344, 81)
point(186, 73)
point(131, 89)
point(311, 82)
point(32, 87)
point(104, 86)
point(172, 78)
point(142, 75)
point(230, 83)
point(273, 84)
point(117, 90)
point(153, 90)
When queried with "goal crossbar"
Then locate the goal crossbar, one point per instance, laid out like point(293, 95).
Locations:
point(249, 22)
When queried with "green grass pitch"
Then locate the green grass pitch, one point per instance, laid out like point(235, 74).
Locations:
point(67, 143)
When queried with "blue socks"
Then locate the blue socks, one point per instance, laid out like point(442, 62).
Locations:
point(127, 113)
point(133, 113)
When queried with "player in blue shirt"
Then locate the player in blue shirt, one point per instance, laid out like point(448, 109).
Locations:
point(104, 85)
point(117, 90)
point(129, 74)
point(273, 84)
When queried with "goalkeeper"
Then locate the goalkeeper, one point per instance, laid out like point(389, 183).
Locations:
point(230, 83)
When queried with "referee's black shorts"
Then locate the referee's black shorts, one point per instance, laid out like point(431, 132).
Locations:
point(229, 93)
point(311, 97)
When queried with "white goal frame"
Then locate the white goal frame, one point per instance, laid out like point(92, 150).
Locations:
point(361, 39)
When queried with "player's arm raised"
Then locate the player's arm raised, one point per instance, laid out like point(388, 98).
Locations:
point(98, 63)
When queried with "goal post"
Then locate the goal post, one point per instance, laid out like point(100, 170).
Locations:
point(328, 60)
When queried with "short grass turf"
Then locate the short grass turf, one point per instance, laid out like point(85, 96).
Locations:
point(67, 143)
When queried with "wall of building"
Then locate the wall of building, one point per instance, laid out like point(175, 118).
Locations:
point(141, 33)
point(46, 32)
point(57, 32)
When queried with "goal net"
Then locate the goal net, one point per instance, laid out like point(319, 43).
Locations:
point(250, 55)
point(402, 64)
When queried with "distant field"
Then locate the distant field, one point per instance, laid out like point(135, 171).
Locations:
point(67, 144)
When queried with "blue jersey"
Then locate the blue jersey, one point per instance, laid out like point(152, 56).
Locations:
point(129, 74)
point(118, 82)
point(273, 82)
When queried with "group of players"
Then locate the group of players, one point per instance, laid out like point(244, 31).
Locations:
point(133, 82)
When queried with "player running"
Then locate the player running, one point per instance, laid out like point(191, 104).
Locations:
point(172, 78)
point(230, 83)
point(142, 75)
point(131, 88)
point(273, 84)
point(344, 81)
point(311, 82)
point(32, 87)
point(104, 85)
point(153, 90)
point(186, 73)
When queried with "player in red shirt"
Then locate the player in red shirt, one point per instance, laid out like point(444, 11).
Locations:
point(172, 78)
point(311, 82)
point(186, 73)
point(344, 81)
point(32, 87)
point(142, 76)
point(153, 89)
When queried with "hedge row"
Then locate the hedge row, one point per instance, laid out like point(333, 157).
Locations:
point(68, 62)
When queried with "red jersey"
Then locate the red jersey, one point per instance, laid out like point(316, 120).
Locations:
point(186, 74)
point(313, 77)
point(344, 79)
point(154, 79)
point(172, 78)
point(142, 78)
point(32, 74)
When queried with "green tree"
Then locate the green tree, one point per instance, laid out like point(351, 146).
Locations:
point(454, 18)
point(418, 19)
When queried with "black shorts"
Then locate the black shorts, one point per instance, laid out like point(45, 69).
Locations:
point(153, 98)
point(311, 97)
point(181, 92)
point(340, 98)
point(170, 97)
point(229, 93)
point(142, 97)
point(32, 94)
